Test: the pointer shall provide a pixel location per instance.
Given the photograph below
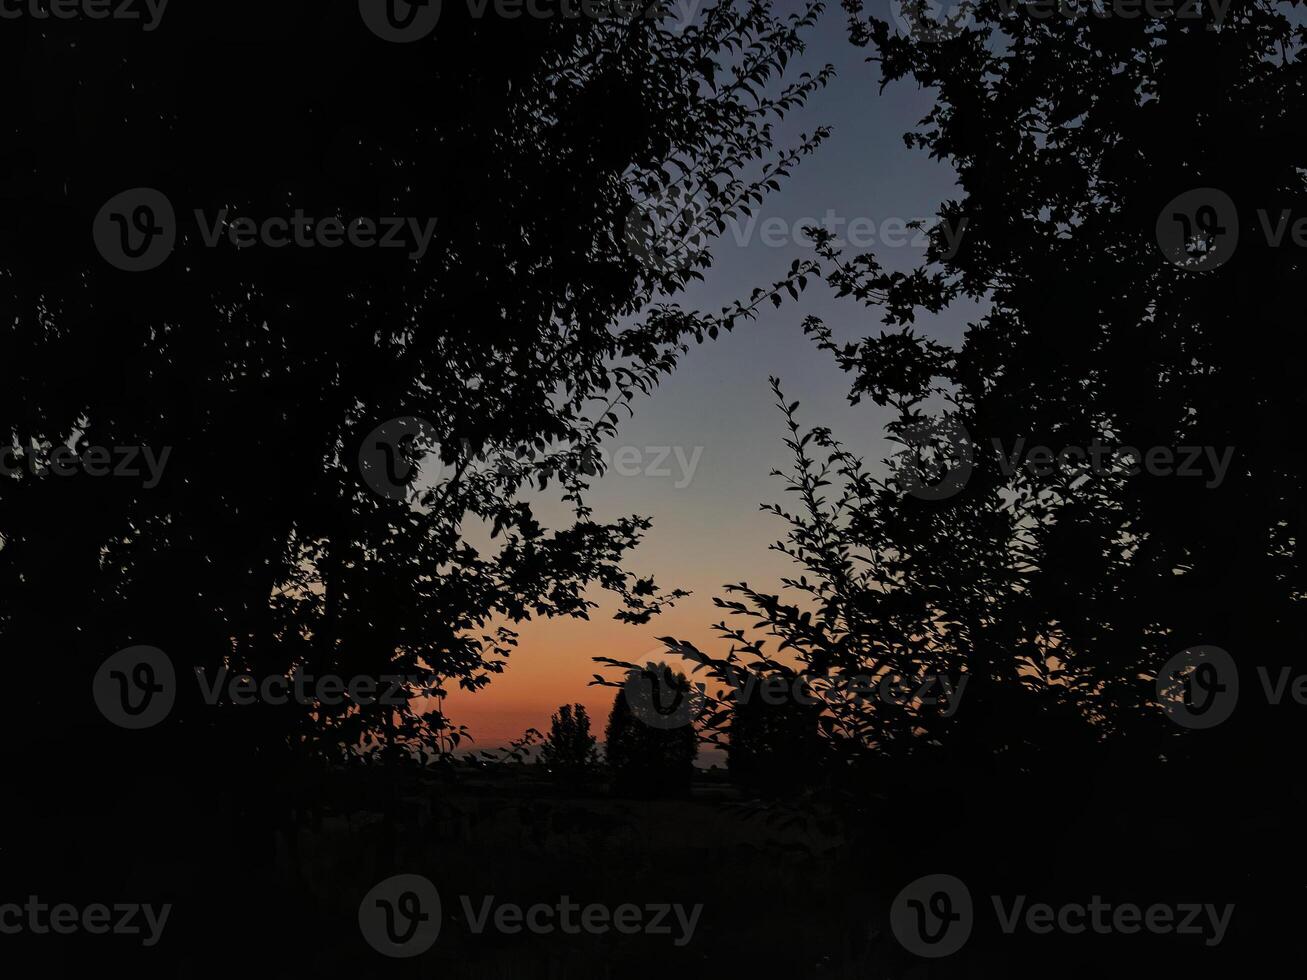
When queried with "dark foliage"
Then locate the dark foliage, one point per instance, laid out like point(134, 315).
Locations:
point(569, 748)
point(518, 334)
point(645, 761)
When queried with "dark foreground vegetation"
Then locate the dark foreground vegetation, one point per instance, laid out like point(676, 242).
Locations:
point(1130, 637)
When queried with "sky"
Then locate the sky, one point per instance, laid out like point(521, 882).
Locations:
point(697, 453)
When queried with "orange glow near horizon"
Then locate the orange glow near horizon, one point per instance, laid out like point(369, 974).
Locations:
point(552, 666)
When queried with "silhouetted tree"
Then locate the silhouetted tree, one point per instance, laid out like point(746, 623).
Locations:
point(773, 746)
point(1105, 302)
point(261, 549)
point(539, 156)
point(647, 760)
point(569, 748)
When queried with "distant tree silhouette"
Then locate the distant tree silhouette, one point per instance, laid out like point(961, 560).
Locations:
point(647, 761)
point(569, 748)
point(773, 745)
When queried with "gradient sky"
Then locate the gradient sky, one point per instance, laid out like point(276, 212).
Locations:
point(709, 531)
